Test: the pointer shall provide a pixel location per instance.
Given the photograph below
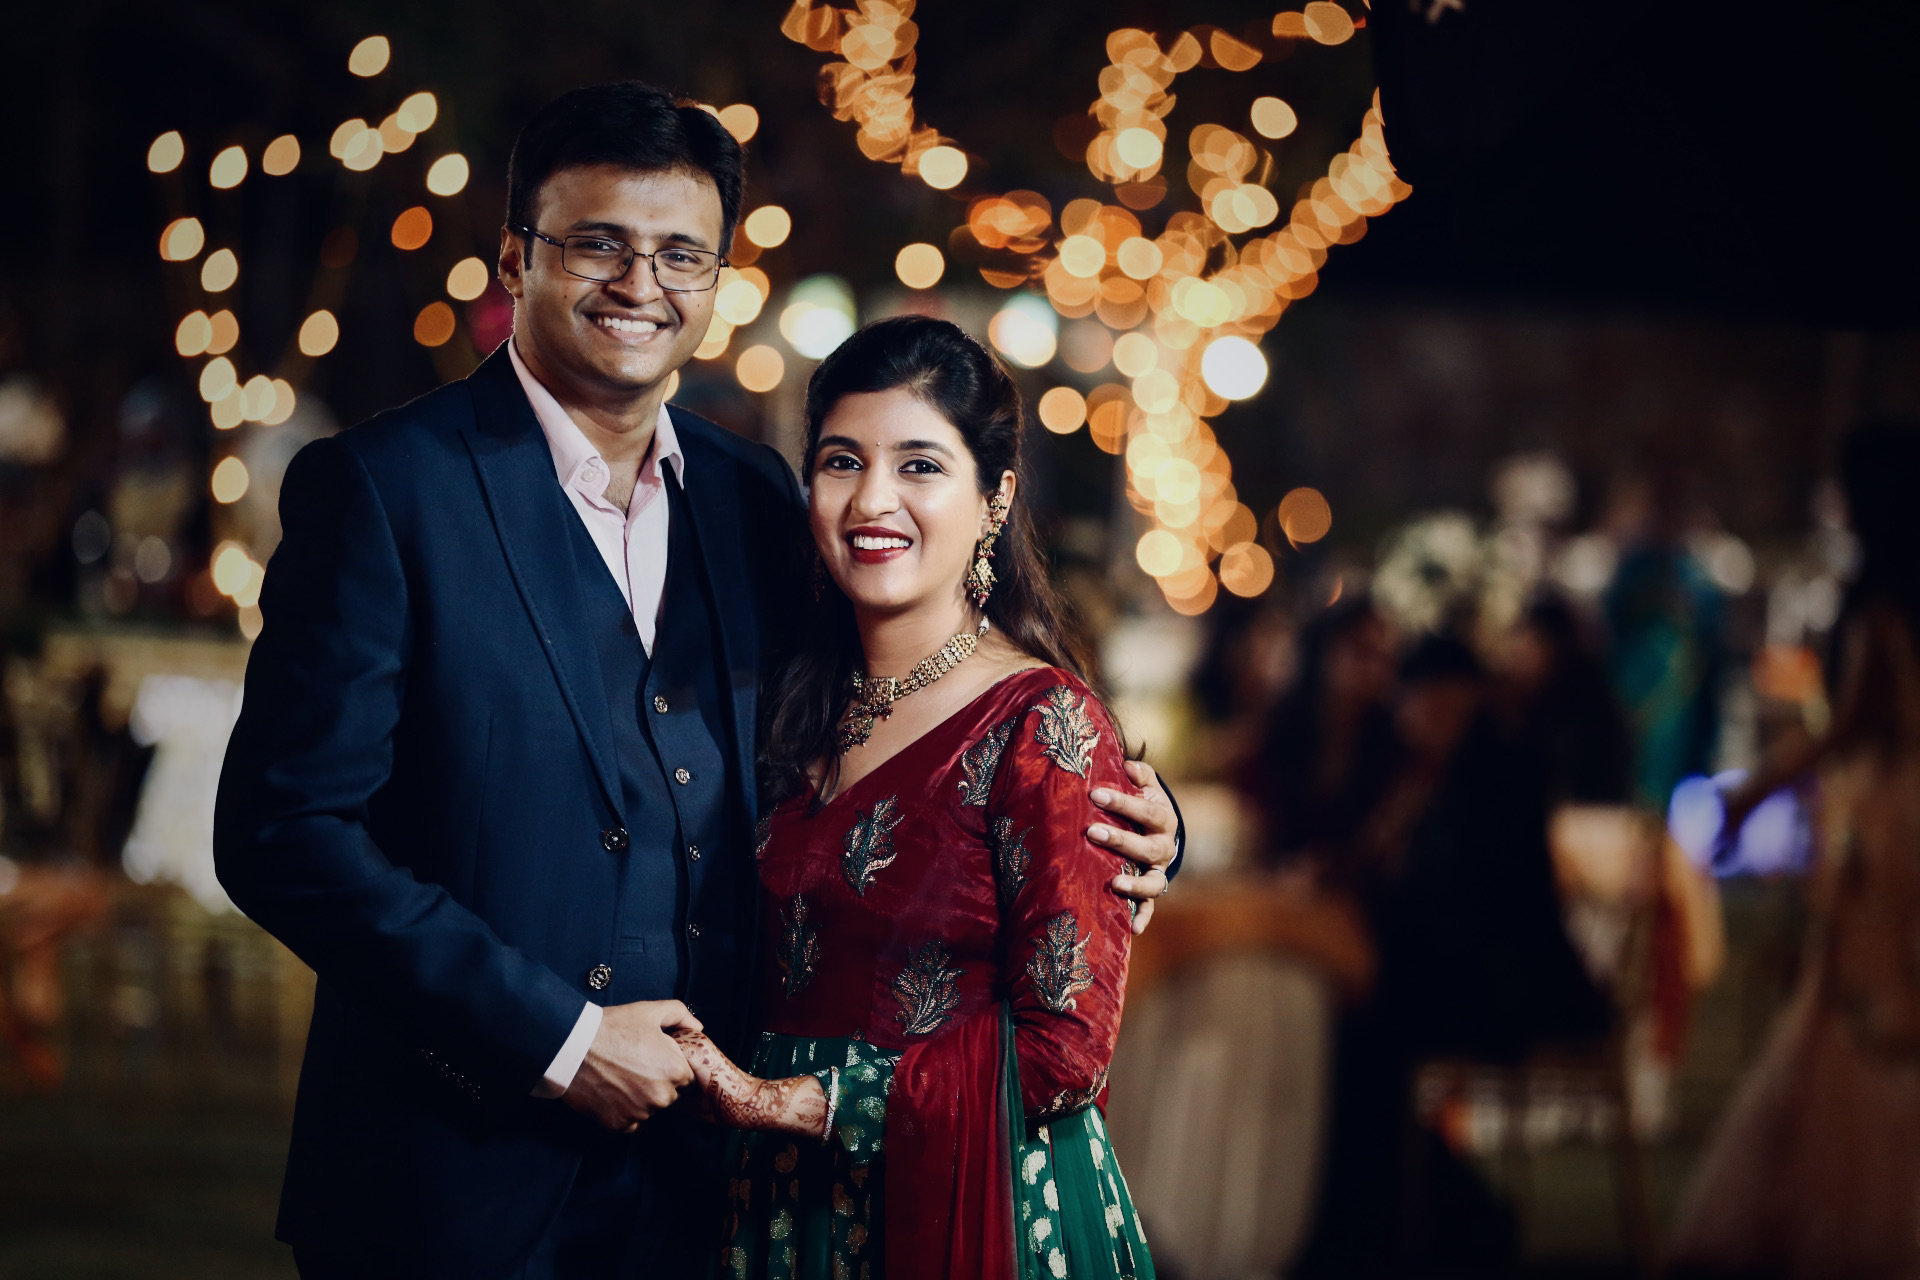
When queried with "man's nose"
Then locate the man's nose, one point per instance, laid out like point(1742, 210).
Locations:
point(640, 283)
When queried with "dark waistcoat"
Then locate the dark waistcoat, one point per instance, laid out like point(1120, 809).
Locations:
point(682, 928)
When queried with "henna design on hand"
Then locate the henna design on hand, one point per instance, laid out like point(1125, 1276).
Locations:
point(794, 1105)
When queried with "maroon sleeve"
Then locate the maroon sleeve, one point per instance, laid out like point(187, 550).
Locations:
point(1067, 931)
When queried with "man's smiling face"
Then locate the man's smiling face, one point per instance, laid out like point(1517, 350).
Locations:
point(608, 344)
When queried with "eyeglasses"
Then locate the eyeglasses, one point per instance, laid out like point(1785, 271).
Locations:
point(601, 258)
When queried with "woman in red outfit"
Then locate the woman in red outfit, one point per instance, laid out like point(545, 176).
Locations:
point(946, 960)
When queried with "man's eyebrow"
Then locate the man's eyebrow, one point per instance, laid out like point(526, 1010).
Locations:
point(625, 234)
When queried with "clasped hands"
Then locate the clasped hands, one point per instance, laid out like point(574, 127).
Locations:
point(648, 1052)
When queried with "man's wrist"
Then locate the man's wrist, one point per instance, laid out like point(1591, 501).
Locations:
point(558, 1077)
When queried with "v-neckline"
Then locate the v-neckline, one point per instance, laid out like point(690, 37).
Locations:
point(819, 806)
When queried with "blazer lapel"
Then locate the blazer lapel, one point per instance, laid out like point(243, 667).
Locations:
point(723, 561)
point(531, 514)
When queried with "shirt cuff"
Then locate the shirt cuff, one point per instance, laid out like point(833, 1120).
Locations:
point(566, 1063)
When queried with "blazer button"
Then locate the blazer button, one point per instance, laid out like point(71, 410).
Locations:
point(682, 777)
point(659, 704)
point(693, 930)
point(614, 840)
point(599, 976)
point(693, 853)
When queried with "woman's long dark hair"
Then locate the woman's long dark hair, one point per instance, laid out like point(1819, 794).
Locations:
point(957, 378)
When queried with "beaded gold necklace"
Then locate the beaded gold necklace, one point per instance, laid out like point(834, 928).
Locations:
point(873, 697)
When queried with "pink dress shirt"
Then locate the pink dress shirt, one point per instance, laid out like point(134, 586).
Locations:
point(634, 545)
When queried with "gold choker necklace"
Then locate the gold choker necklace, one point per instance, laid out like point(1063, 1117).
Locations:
point(873, 697)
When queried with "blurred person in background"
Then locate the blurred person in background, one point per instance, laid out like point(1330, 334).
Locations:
point(1816, 1169)
point(1328, 749)
point(1557, 705)
point(1453, 870)
point(1666, 622)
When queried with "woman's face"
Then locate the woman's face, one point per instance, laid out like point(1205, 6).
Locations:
point(895, 504)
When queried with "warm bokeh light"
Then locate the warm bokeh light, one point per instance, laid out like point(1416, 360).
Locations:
point(1158, 552)
point(768, 226)
point(919, 266)
point(226, 332)
point(219, 272)
point(281, 157)
point(448, 175)
point(1139, 258)
point(1233, 367)
point(1156, 391)
point(1138, 148)
point(1246, 569)
point(714, 345)
point(814, 330)
point(394, 136)
point(1327, 22)
point(418, 112)
point(434, 325)
point(468, 279)
point(740, 120)
point(182, 240)
point(1135, 354)
point(284, 403)
point(344, 136)
point(412, 229)
point(363, 150)
point(370, 56)
point(1305, 516)
point(228, 170)
point(738, 302)
point(217, 379)
point(1273, 118)
point(1024, 331)
point(760, 368)
point(166, 153)
point(193, 334)
point(1062, 410)
point(1083, 256)
point(229, 483)
point(229, 411)
point(943, 167)
point(256, 398)
point(318, 333)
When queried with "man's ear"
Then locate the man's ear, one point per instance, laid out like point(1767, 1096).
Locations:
point(512, 260)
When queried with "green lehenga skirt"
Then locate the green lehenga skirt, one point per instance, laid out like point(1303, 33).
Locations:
point(805, 1210)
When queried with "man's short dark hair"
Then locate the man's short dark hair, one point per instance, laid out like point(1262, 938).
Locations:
point(629, 125)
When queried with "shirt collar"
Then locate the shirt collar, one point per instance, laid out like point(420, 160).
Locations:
point(575, 461)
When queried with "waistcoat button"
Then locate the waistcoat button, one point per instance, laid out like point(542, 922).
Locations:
point(614, 840)
point(682, 777)
point(659, 704)
point(599, 976)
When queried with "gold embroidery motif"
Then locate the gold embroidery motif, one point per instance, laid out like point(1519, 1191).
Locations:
point(926, 990)
point(1010, 858)
point(869, 844)
point(1059, 965)
point(1068, 1101)
point(1066, 730)
point(981, 761)
point(799, 947)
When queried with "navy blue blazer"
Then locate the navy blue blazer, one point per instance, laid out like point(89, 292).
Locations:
point(414, 797)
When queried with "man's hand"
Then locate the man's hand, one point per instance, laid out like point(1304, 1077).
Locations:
point(633, 1068)
point(1153, 847)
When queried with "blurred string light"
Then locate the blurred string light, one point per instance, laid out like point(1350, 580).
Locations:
point(210, 337)
point(1178, 315)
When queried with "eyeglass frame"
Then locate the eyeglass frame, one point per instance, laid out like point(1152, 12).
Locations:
point(633, 253)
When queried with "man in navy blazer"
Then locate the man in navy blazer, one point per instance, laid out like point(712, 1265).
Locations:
point(493, 778)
